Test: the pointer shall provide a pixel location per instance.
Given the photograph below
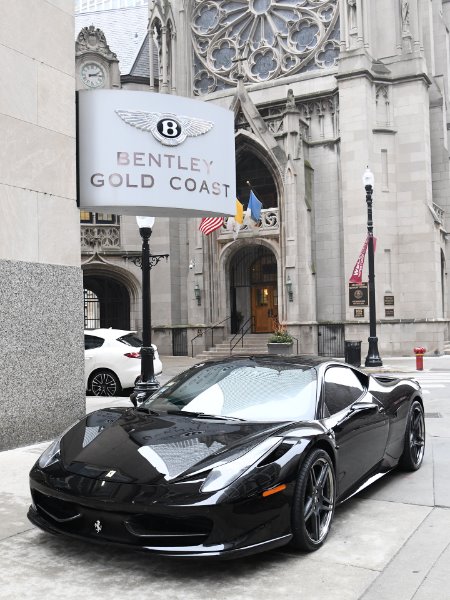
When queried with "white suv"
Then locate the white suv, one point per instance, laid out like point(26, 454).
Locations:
point(113, 361)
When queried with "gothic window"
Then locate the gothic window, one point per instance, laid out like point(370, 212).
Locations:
point(274, 38)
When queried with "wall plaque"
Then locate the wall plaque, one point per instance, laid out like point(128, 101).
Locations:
point(388, 312)
point(358, 294)
point(358, 313)
point(389, 300)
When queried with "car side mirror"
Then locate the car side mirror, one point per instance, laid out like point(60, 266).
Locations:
point(363, 406)
point(357, 407)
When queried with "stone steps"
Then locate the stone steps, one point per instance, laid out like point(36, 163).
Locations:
point(254, 343)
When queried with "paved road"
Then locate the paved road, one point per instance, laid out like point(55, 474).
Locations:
point(392, 541)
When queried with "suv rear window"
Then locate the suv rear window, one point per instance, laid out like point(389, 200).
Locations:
point(92, 341)
point(131, 339)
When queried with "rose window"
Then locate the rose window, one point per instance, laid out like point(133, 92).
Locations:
point(261, 40)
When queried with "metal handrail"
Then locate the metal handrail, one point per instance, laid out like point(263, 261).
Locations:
point(242, 331)
point(202, 332)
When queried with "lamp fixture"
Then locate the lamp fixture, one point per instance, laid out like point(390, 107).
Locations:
point(290, 293)
point(368, 178)
point(145, 222)
point(197, 293)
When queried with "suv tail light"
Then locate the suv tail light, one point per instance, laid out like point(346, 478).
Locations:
point(133, 354)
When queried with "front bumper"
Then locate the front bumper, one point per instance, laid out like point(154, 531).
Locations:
point(224, 551)
point(160, 522)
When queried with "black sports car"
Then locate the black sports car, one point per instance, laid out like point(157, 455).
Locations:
point(231, 457)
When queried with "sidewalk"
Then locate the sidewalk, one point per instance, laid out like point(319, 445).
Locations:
point(390, 542)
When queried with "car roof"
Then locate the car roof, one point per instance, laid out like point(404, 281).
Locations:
point(108, 333)
point(307, 360)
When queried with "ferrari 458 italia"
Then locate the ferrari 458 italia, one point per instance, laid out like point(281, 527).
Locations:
point(231, 457)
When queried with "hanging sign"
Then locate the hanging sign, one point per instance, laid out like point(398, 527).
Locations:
point(141, 153)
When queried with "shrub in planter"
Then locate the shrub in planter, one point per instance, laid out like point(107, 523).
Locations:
point(280, 342)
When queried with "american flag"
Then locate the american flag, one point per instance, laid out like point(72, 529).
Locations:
point(210, 224)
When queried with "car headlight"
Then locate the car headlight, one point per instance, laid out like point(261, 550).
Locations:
point(224, 474)
point(52, 454)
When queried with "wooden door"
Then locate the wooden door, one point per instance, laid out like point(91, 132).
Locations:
point(264, 308)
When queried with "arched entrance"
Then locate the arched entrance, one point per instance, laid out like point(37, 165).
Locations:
point(106, 303)
point(253, 289)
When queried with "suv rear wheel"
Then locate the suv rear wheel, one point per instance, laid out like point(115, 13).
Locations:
point(105, 383)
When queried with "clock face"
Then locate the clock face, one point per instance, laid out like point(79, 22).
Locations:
point(93, 75)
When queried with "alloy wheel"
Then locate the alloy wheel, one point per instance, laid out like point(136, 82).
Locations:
point(319, 500)
point(417, 435)
point(104, 384)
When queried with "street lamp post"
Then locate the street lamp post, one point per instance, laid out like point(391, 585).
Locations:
point(147, 383)
point(373, 357)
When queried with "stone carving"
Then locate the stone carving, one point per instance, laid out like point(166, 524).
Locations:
point(382, 104)
point(321, 117)
point(405, 17)
point(290, 101)
point(276, 38)
point(92, 39)
point(100, 237)
point(268, 224)
point(352, 21)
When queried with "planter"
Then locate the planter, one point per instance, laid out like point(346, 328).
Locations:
point(279, 347)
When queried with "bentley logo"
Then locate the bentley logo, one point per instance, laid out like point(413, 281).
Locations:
point(97, 526)
point(167, 128)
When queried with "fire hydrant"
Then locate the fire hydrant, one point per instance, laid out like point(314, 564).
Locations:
point(419, 352)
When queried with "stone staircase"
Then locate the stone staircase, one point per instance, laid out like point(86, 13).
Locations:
point(254, 343)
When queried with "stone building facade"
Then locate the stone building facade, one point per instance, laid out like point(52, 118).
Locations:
point(320, 89)
point(42, 364)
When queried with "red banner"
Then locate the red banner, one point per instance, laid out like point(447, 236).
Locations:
point(358, 268)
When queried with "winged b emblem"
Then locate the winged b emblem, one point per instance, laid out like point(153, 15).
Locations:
point(167, 128)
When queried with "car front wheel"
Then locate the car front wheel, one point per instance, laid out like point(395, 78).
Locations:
point(105, 383)
point(314, 500)
point(414, 444)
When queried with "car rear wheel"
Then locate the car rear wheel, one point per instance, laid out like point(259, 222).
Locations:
point(414, 444)
point(314, 500)
point(105, 383)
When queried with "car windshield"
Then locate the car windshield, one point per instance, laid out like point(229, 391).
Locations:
point(130, 339)
point(242, 389)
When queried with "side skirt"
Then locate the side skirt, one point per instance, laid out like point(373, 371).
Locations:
point(366, 483)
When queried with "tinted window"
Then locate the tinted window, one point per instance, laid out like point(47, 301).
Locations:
point(92, 341)
point(244, 389)
point(131, 339)
point(342, 388)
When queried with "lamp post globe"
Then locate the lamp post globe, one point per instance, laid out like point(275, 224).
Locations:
point(373, 358)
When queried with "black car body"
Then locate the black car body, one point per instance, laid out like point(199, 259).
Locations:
point(231, 457)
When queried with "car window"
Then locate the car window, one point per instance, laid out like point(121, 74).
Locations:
point(92, 341)
point(342, 388)
point(243, 389)
point(130, 339)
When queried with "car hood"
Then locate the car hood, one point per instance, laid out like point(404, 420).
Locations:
point(134, 447)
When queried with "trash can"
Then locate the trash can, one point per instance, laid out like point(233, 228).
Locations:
point(353, 352)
